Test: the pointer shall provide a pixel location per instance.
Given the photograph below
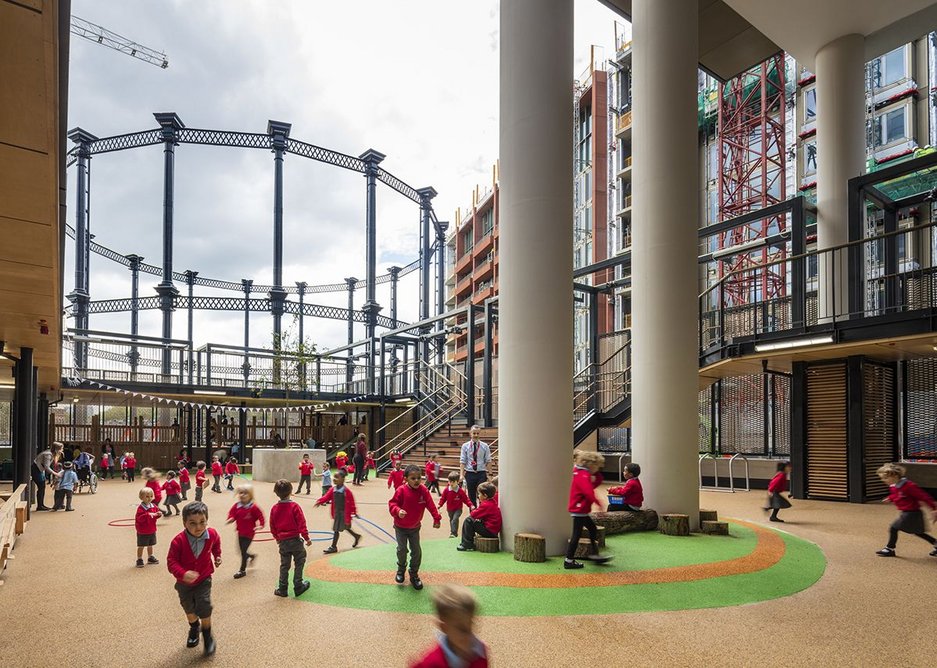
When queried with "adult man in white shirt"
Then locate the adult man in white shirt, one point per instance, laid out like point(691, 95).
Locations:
point(474, 463)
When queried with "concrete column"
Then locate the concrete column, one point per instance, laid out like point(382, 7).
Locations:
point(664, 249)
point(536, 296)
point(840, 70)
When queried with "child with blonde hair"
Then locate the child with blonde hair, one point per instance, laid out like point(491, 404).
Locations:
point(908, 498)
point(151, 480)
point(145, 523)
point(586, 477)
point(456, 607)
point(248, 517)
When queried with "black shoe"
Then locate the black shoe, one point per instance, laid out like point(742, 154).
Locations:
point(886, 552)
point(280, 591)
point(209, 642)
point(250, 558)
point(239, 575)
point(152, 560)
point(69, 510)
point(140, 563)
point(357, 540)
point(775, 519)
point(192, 640)
point(572, 564)
point(933, 553)
point(301, 588)
point(399, 577)
point(331, 549)
point(462, 547)
point(416, 581)
point(41, 508)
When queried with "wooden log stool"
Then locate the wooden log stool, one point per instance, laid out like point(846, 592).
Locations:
point(600, 535)
point(530, 548)
point(489, 545)
point(708, 516)
point(675, 524)
point(714, 528)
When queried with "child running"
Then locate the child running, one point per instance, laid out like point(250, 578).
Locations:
point(173, 493)
point(343, 509)
point(395, 457)
point(454, 497)
point(326, 474)
point(908, 498)
point(407, 506)
point(432, 474)
point(130, 466)
point(248, 517)
point(216, 471)
point(151, 479)
point(369, 465)
point(776, 488)
point(631, 493)
point(201, 480)
point(288, 527)
point(395, 476)
point(145, 523)
point(193, 555)
point(231, 469)
point(455, 617)
point(184, 480)
point(586, 477)
point(306, 468)
point(484, 520)
point(341, 459)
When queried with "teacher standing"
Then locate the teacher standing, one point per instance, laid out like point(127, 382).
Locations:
point(361, 451)
point(41, 468)
point(474, 463)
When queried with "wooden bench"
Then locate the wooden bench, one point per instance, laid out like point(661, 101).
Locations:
point(488, 545)
point(13, 518)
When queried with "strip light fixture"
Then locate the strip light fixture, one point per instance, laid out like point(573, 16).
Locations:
point(795, 343)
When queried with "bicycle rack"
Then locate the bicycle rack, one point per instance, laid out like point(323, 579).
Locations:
point(715, 460)
point(738, 455)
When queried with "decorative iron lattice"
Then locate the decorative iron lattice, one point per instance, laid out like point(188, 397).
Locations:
point(124, 142)
point(920, 414)
point(325, 155)
point(390, 180)
point(223, 138)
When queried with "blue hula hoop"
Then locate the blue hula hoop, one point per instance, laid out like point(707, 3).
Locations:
point(379, 528)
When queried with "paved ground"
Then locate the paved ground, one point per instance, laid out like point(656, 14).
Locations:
point(72, 596)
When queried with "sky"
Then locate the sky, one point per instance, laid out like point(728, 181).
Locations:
point(414, 79)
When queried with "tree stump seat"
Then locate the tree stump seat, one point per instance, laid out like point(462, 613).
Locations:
point(487, 545)
point(675, 524)
point(530, 548)
point(714, 528)
point(708, 516)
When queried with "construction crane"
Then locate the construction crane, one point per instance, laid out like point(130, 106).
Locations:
point(110, 39)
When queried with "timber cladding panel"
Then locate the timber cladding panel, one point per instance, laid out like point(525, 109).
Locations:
point(826, 432)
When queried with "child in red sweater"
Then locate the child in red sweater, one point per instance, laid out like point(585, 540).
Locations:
point(247, 517)
point(586, 477)
point(395, 476)
point(306, 468)
point(776, 488)
point(217, 469)
point(173, 493)
point(288, 527)
point(396, 457)
point(631, 493)
point(231, 469)
point(184, 480)
point(432, 474)
point(129, 466)
point(341, 460)
point(343, 509)
point(201, 480)
point(484, 520)
point(454, 497)
point(145, 523)
point(908, 498)
point(151, 480)
point(193, 555)
point(455, 616)
point(407, 506)
point(369, 465)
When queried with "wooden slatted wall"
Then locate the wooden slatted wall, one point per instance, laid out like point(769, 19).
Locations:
point(879, 424)
point(826, 432)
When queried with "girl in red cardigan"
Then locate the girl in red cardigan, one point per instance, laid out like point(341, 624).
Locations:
point(247, 517)
point(184, 480)
point(201, 480)
point(193, 555)
point(173, 492)
point(369, 465)
point(231, 469)
point(395, 476)
point(151, 480)
point(908, 498)
point(145, 523)
point(586, 477)
point(343, 509)
point(455, 497)
point(776, 488)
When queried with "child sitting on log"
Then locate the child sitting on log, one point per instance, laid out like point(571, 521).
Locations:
point(484, 520)
point(631, 493)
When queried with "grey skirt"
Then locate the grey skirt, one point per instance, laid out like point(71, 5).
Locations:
point(338, 524)
point(778, 502)
point(173, 499)
point(909, 521)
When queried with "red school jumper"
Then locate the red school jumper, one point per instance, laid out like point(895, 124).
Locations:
point(350, 507)
point(430, 471)
point(305, 468)
point(631, 493)
point(181, 559)
point(157, 490)
point(908, 497)
point(216, 468)
point(395, 478)
point(172, 487)
point(489, 514)
point(454, 500)
point(145, 519)
point(231, 468)
point(287, 521)
point(130, 463)
point(246, 519)
point(582, 490)
point(778, 483)
point(415, 502)
point(340, 462)
point(200, 478)
point(184, 475)
point(436, 658)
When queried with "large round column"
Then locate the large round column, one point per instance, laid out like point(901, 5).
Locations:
point(535, 399)
point(664, 254)
point(840, 70)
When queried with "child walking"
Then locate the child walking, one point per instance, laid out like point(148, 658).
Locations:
point(395, 476)
point(130, 466)
point(151, 480)
point(247, 517)
point(145, 523)
point(65, 487)
point(407, 506)
point(908, 498)
point(454, 497)
point(455, 617)
point(193, 555)
point(184, 480)
point(586, 477)
point(216, 471)
point(306, 468)
point(173, 493)
point(343, 509)
point(326, 474)
point(231, 469)
point(369, 465)
point(288, 527)
point(776, 488)
point(432, 474)
point(484, 520)
point(631, 493)
point(201, 480)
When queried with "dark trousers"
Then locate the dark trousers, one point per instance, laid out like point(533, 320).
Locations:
point(359, 469)
point(472, 526)
point(186, 486)
point(216, 485)
point(244, 543)
point(408, 538)
point(63, 496)
point(580, 523)
point(304, 480)
point(472, 480)
point(434, 485)
point(104, 473)
point(130, 475)
point(454, 516)
point(292, 551)
point(198, 492)
point(893, 538)
point(354, 534)
point(40, 479)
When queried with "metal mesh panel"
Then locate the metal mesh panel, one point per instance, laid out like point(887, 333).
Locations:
point(614, 439)
point(742, 416)
point(781, 414)
point(921, 409)
point(705, 420)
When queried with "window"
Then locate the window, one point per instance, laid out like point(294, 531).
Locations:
point(810, 104)
point(889, 127)
point(890, 68)
point(488, 222)
point(467, 240)
point(810, 157)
